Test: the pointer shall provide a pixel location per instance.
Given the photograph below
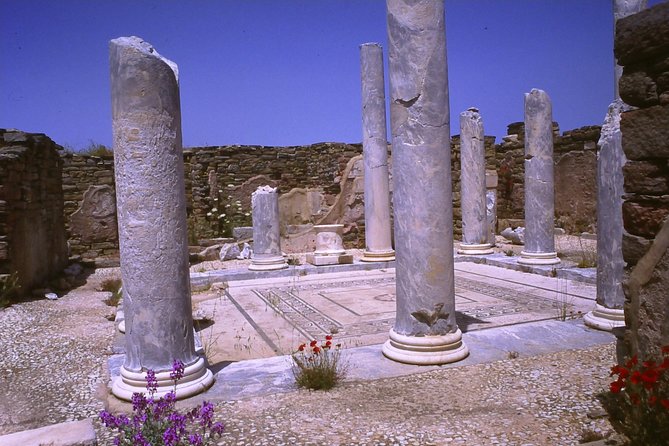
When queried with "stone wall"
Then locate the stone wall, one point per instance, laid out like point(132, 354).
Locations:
point(642, 48)
point(32, 236)
point(575, 156)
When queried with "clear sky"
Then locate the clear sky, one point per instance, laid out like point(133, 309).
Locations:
point(287, 72)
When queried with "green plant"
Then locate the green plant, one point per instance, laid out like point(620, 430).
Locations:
point(9, 288)
point(637, 402)
point(588, 436)
point(96, 149)
point(318, 365)
point(588, 256)
point(113, 286)
point(564, 302)
point(509, 253)
point(157, 422)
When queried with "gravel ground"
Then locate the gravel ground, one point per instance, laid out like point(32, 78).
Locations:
point(53, 361)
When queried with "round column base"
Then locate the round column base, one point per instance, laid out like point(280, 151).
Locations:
point(603, 318)
point(475, 249)
point(378, 256)
point(197, 378)
point(538, 258)
point(425, 350)
point(268, 264)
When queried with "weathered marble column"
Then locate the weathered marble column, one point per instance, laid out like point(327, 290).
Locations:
point(266, 235)
point(621, 9)
point(608, 312)
point(151, 207)
point(425, 330)
point(491, 182)
point(475, 227)
point(378, 239)
point(539, 184)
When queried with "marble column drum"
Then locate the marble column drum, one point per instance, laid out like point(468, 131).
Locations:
point(608, 313)
point(151, 206)
point(539, 183)
point(475, 227)
point(425, 330)
point(622, 9)
point(378, 238)
point(266, 234)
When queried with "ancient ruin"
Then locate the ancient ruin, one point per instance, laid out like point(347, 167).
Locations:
point(425, 330)
point(152, 221)
point(266, 238)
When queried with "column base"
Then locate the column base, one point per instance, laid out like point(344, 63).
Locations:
point(603, 318)
point(197, 378)
point(268, 264)
point(378, 256)
point(475, 249)
point(538, 258)
point(425, 350)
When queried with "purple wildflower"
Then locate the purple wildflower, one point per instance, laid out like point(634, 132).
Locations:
point(206, 413)
point(195, 439)
point(217, 428)
point(177, 370)
point(170, 437)
point(151, 382)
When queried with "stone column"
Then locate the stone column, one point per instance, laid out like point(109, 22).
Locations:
point(491, 182)
point(539, 185)
point(151, 206)
point(621, 9)
point(608, 313)
point(266, 236)
point(475, 227)
point(378, 240)
point(425, 330)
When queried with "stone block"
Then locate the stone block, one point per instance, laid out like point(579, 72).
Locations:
point(323, 260)
point(646, 177)
point(643, 35)
point(637, 88)
point(646, 133)
point(634, 247)
point(644, 218)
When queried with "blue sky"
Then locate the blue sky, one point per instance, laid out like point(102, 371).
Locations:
point(287, 72)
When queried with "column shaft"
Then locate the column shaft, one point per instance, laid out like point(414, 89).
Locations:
point(266, 234)
point(475, 225)
point(151, 206)
point(425, 330)
point(539, 183)
point(375, 152)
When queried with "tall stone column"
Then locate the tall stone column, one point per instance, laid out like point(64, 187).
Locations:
point(425, 330)
point(475, 227)
point(621, 9)
point(151, 207)
point(608, 313)
point(539, 184)
point(378, 240)
point(266, 235)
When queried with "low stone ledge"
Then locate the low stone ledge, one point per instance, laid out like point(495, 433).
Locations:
point(71, 433)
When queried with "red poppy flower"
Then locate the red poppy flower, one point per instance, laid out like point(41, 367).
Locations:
point(617, 386)
point(317, 350)
point(328, 338)
point(652, 400)
point(665, 349)
point(301, 347)
point(635, 398)
point(636, 377)
point(632, 362)
point(665, 403)
point(313, 343)
point(328, 344)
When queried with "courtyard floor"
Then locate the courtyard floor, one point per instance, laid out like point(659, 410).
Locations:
point(530, 379)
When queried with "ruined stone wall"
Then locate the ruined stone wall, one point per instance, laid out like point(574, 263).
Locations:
point(32, 232)
point(575, 156)
point(91, 222)
point(642, 48)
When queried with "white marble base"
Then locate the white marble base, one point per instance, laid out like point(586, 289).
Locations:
point(603, 318)
point(425, 350)
point(268, 264)
point(480, 249)
point(197, 378)
point(538, 258)
point(378, 256)
point(320, 260)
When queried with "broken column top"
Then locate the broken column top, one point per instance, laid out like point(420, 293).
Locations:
point(139, 44)
point(372, 44)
